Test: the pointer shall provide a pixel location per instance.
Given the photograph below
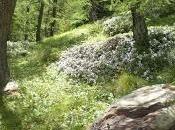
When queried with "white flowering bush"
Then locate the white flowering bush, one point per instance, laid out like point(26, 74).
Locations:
point(18, 48)
point(91, 62)
point(99, 61)
point(162, 41)
point(118, 24)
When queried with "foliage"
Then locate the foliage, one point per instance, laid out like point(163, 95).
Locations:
point(90, 62)
point(47, 97)
point(24, 22)
point(98, 62)
point(51, 47)
point(158, 8)
point(166, 75)
point(73, 13)
point(51, 99)
point(119, 24)
point(161, 41)
point(128, 82)
point(18, 48)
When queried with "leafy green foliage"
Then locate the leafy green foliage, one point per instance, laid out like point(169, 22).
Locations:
point(119, 24)
point(167, 75)
point(128, 82)
point(50, 99)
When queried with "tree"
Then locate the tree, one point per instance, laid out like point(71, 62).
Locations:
point(140, 31)
point(6, 12)
point(40, 18)
point(98, 9)
point(54, 14)
point(26, 35)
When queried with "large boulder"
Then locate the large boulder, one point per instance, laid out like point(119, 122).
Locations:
point(148, 108)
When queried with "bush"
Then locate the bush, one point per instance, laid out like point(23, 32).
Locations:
point(92, 62)
point(119, 24)
point(18, 48)
point(95, 62)
point(162, 41)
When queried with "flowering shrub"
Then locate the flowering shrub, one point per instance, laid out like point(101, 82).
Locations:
point(99, 61)
point(119, 24)
point(90, 62)
point(162, 41)
point(17, 48)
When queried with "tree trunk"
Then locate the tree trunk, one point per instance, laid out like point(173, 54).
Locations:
point(93, 12)
point(140, 31)
point(6, 12)
point(40, 18)
point(53, 23)
point(26, 35)
point(97, 10)
point(46, 22)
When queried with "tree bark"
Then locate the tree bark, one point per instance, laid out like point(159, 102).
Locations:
point(46, 22)
point(40, 18)
point(26, 35)
point(53, 23)
point(96, 10)
point(6, 12)
point(140, 31)
point(93, 12)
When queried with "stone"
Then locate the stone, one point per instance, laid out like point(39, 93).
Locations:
point(148, 108)
point(11, 87)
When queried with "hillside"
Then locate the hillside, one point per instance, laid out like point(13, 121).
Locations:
point(68, 80)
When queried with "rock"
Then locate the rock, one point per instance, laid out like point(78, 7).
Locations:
point(11, 87)
point(148, 108)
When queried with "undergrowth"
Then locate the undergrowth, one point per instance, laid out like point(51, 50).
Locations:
point(49, 100)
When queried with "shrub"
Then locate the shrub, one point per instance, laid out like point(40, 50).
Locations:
point(18, 48)
point(119, 24)
point(95, 62)
point(162, 40)
point(92, 62)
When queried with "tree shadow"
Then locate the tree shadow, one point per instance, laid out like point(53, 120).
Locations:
point(9, 119)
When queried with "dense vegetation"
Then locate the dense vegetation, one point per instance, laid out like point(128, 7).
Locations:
point(73, 58)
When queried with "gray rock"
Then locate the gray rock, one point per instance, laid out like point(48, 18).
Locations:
point(148, 108)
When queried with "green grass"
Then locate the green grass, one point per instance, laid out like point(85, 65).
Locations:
point(50, 100)
point(163, 21)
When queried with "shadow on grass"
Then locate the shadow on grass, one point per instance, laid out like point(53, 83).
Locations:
point(26, 68)
point(9, 119)
point(46, 52)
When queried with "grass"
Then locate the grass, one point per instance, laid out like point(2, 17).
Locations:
point(163, 21)
point(49, 100)
point(47, 97)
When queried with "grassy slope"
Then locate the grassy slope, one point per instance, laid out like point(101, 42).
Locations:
point(48, 100)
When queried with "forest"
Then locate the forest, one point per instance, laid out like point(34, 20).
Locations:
point(87, 64)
